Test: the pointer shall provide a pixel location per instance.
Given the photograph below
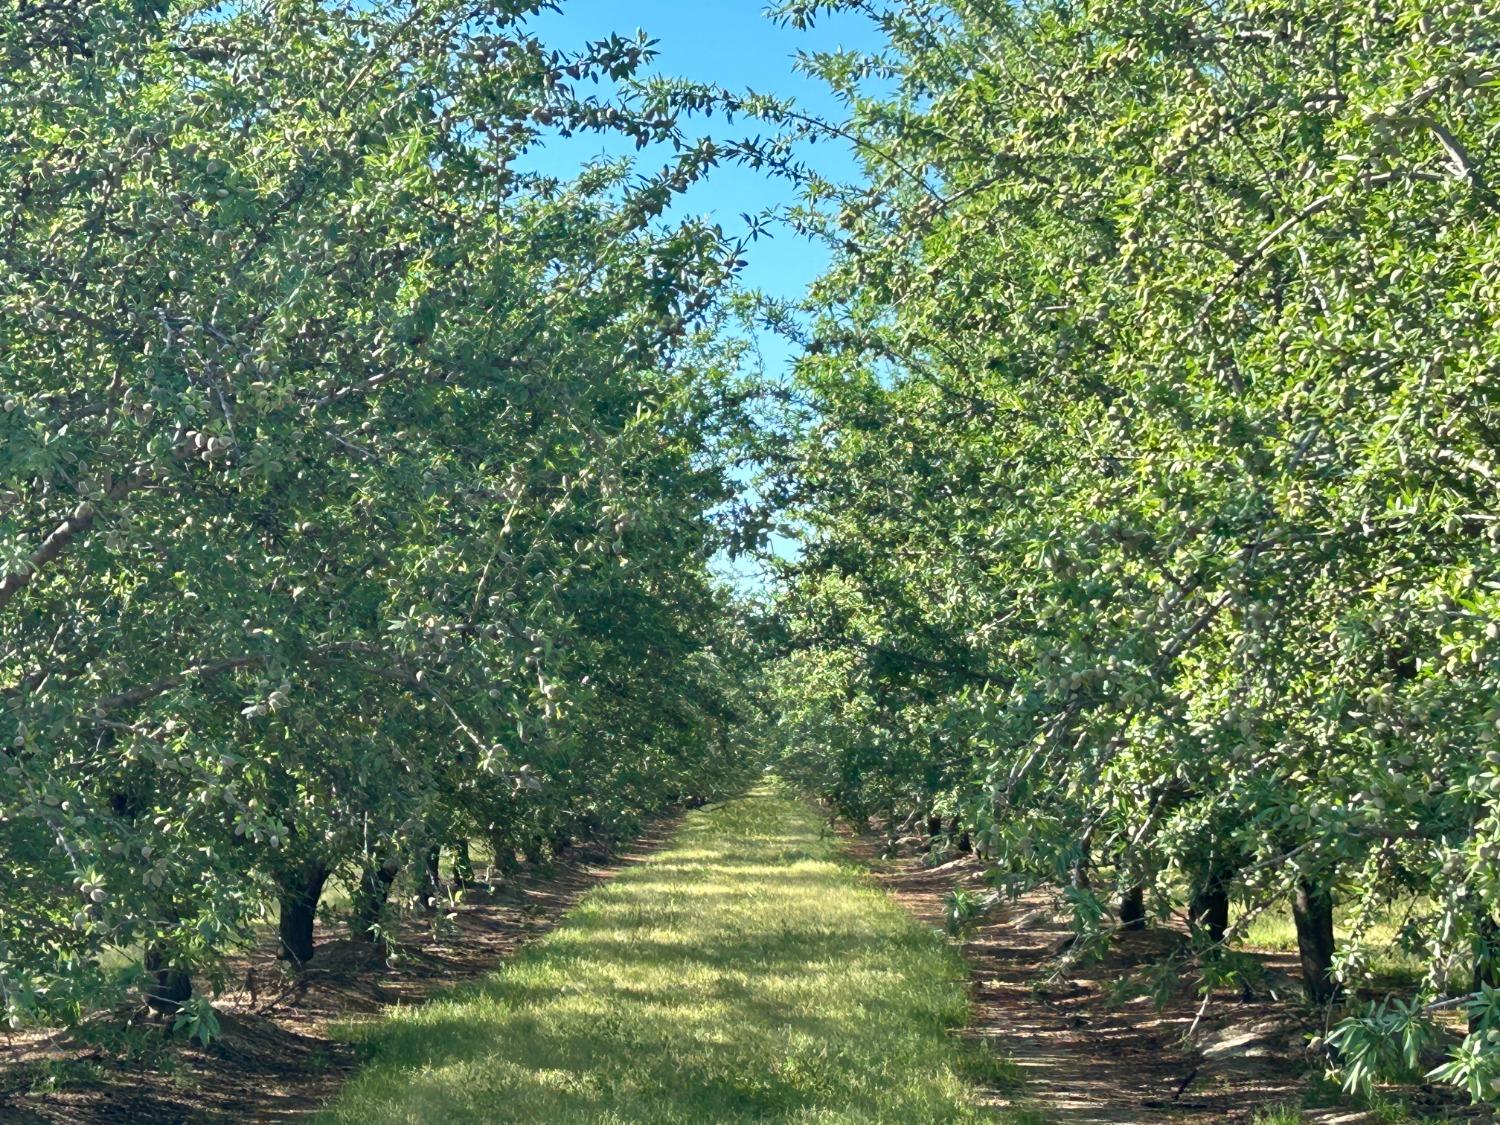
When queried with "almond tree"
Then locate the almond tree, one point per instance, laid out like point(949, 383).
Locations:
point(357, 483)
point(1150, 478)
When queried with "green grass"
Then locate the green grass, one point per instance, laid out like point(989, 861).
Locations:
point(1023, 1115)
point(745, 973)
point(1391, 1108)
point(1389, 965)
point(1278, 1115)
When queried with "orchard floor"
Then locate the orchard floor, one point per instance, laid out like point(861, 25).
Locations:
point(1090, 1048)
point(278, 1059)
point(746, 972)
point(743, 964)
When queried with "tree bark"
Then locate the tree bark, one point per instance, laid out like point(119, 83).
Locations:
point(1208, 909)
point(1132, 908)
point(298, 910)
point(1079, 872)
point(503, 848)
point(533, 851)
point(370, 898)
point(170, 986)
point(463, 863)
point(1312, 911)
point(60, 537)
point(961, 843)
point(934, 827)
point(432, 878)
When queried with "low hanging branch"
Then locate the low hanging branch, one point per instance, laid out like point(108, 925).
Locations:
point(63, 536)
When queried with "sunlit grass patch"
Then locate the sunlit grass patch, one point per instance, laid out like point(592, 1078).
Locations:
point(745, 973)
point(1389, 964)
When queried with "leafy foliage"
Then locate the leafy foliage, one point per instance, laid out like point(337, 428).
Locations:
point(356, 483)
point(1148, 462)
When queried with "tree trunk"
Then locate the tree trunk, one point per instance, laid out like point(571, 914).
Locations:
point(1079, 873)
point(1486, 960)
point(503, 851)
point(432, 877)
point(533, 851)
point(1208, 909)
point(463, 863)
point(1132, 909)
point(369, 900)
point(169, 986)
point(1312, 910)
point(298, 910)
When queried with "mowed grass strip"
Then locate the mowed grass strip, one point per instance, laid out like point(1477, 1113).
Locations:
point(745, 973)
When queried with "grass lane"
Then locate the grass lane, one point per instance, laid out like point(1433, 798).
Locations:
point(745, 973)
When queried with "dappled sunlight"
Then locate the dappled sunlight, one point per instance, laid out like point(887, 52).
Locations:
point(742, 974)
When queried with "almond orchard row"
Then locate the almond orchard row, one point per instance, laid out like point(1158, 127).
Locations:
point(356, 484)
point(1148, 470)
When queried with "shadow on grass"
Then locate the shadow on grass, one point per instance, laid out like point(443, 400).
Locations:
point(744, 974)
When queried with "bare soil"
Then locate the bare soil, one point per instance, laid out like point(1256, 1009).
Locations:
point(1090, 1052)
point(277, 1058)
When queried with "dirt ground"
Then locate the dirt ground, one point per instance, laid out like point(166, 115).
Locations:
point(1090, 1056)
point(277, 1059)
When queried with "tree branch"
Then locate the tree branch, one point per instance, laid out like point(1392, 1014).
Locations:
point(62, 536)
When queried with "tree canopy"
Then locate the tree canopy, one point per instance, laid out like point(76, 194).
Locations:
point(1149, 470)
point(357, 483)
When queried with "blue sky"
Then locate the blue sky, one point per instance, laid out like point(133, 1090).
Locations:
point(729, 43)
